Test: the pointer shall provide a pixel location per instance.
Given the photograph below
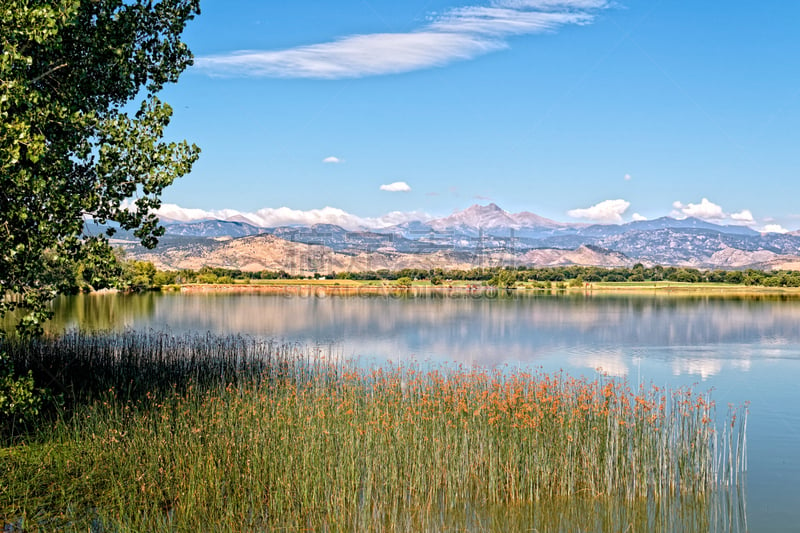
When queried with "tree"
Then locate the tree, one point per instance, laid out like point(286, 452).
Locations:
point(71, 71)
point(734, 276)
point(404, 282)
point(505, 279)
point(139, 275)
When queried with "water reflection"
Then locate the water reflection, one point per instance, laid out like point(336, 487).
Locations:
point(747, 347)
point(699, 367)
point(611, 362)
point(723, 510)
point(96, 312)
point(699, 335)
point(100, 312)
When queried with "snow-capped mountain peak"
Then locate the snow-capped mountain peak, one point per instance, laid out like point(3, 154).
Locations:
point(477, 216)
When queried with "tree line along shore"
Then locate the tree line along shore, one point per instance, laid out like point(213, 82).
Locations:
point(143, 275)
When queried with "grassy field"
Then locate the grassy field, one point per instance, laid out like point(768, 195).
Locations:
point(230, 433)
point(342, 283)
point(644, 287)
point(687, 286)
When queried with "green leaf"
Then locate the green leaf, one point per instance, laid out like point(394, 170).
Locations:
point(67, 69)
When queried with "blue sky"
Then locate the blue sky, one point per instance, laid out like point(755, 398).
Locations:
point(577, 110)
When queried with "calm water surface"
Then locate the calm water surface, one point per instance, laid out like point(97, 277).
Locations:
point(745, 348)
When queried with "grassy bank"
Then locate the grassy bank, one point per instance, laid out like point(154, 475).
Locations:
point(208, 433)
point(367, 286)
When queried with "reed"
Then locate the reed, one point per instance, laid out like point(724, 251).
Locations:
point(199, 432)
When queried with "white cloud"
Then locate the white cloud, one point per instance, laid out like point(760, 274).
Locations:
point(268, 217)
point(397, 186)
point(396, 217)
point(457, 34)
point(284, 216)
point(704, 210)
point(627, 177)
point(332, 159)
point(606, 211)
point(774, 228)
point(710, 211)
point(636, 217)
point(176, 212)
point(743, 216)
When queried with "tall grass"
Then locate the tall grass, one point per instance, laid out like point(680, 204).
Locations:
point(205, 432)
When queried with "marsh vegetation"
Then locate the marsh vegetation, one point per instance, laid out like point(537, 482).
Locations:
point(149, 431)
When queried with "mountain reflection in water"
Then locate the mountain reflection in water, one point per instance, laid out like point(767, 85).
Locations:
point(488, 329)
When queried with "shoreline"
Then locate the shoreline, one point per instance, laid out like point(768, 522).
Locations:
point(350, 288)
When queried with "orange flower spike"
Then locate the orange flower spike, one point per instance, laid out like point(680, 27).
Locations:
point(608, 390)
point(700, 402)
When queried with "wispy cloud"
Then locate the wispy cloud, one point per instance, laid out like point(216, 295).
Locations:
point(552, 4)
point(332, 160)
point(457, 34)
point(397, 186)
point(607, 211)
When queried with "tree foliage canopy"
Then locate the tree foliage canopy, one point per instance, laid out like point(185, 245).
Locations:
point(71, 71)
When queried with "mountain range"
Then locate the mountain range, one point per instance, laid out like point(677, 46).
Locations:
point(481, 235)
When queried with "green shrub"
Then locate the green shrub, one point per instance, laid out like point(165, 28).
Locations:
point(19, 399)
point(576, 282)
point(505, 279)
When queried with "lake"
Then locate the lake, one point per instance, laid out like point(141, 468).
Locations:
point(747, 348)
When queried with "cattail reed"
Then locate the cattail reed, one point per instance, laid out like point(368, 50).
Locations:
point(204, 432)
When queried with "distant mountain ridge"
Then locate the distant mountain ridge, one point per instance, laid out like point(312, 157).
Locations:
point(213, 228)
point(491, 217)
point(487, 233)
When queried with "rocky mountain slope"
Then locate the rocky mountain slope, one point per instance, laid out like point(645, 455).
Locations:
point(478, 236)
point(267, 252)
